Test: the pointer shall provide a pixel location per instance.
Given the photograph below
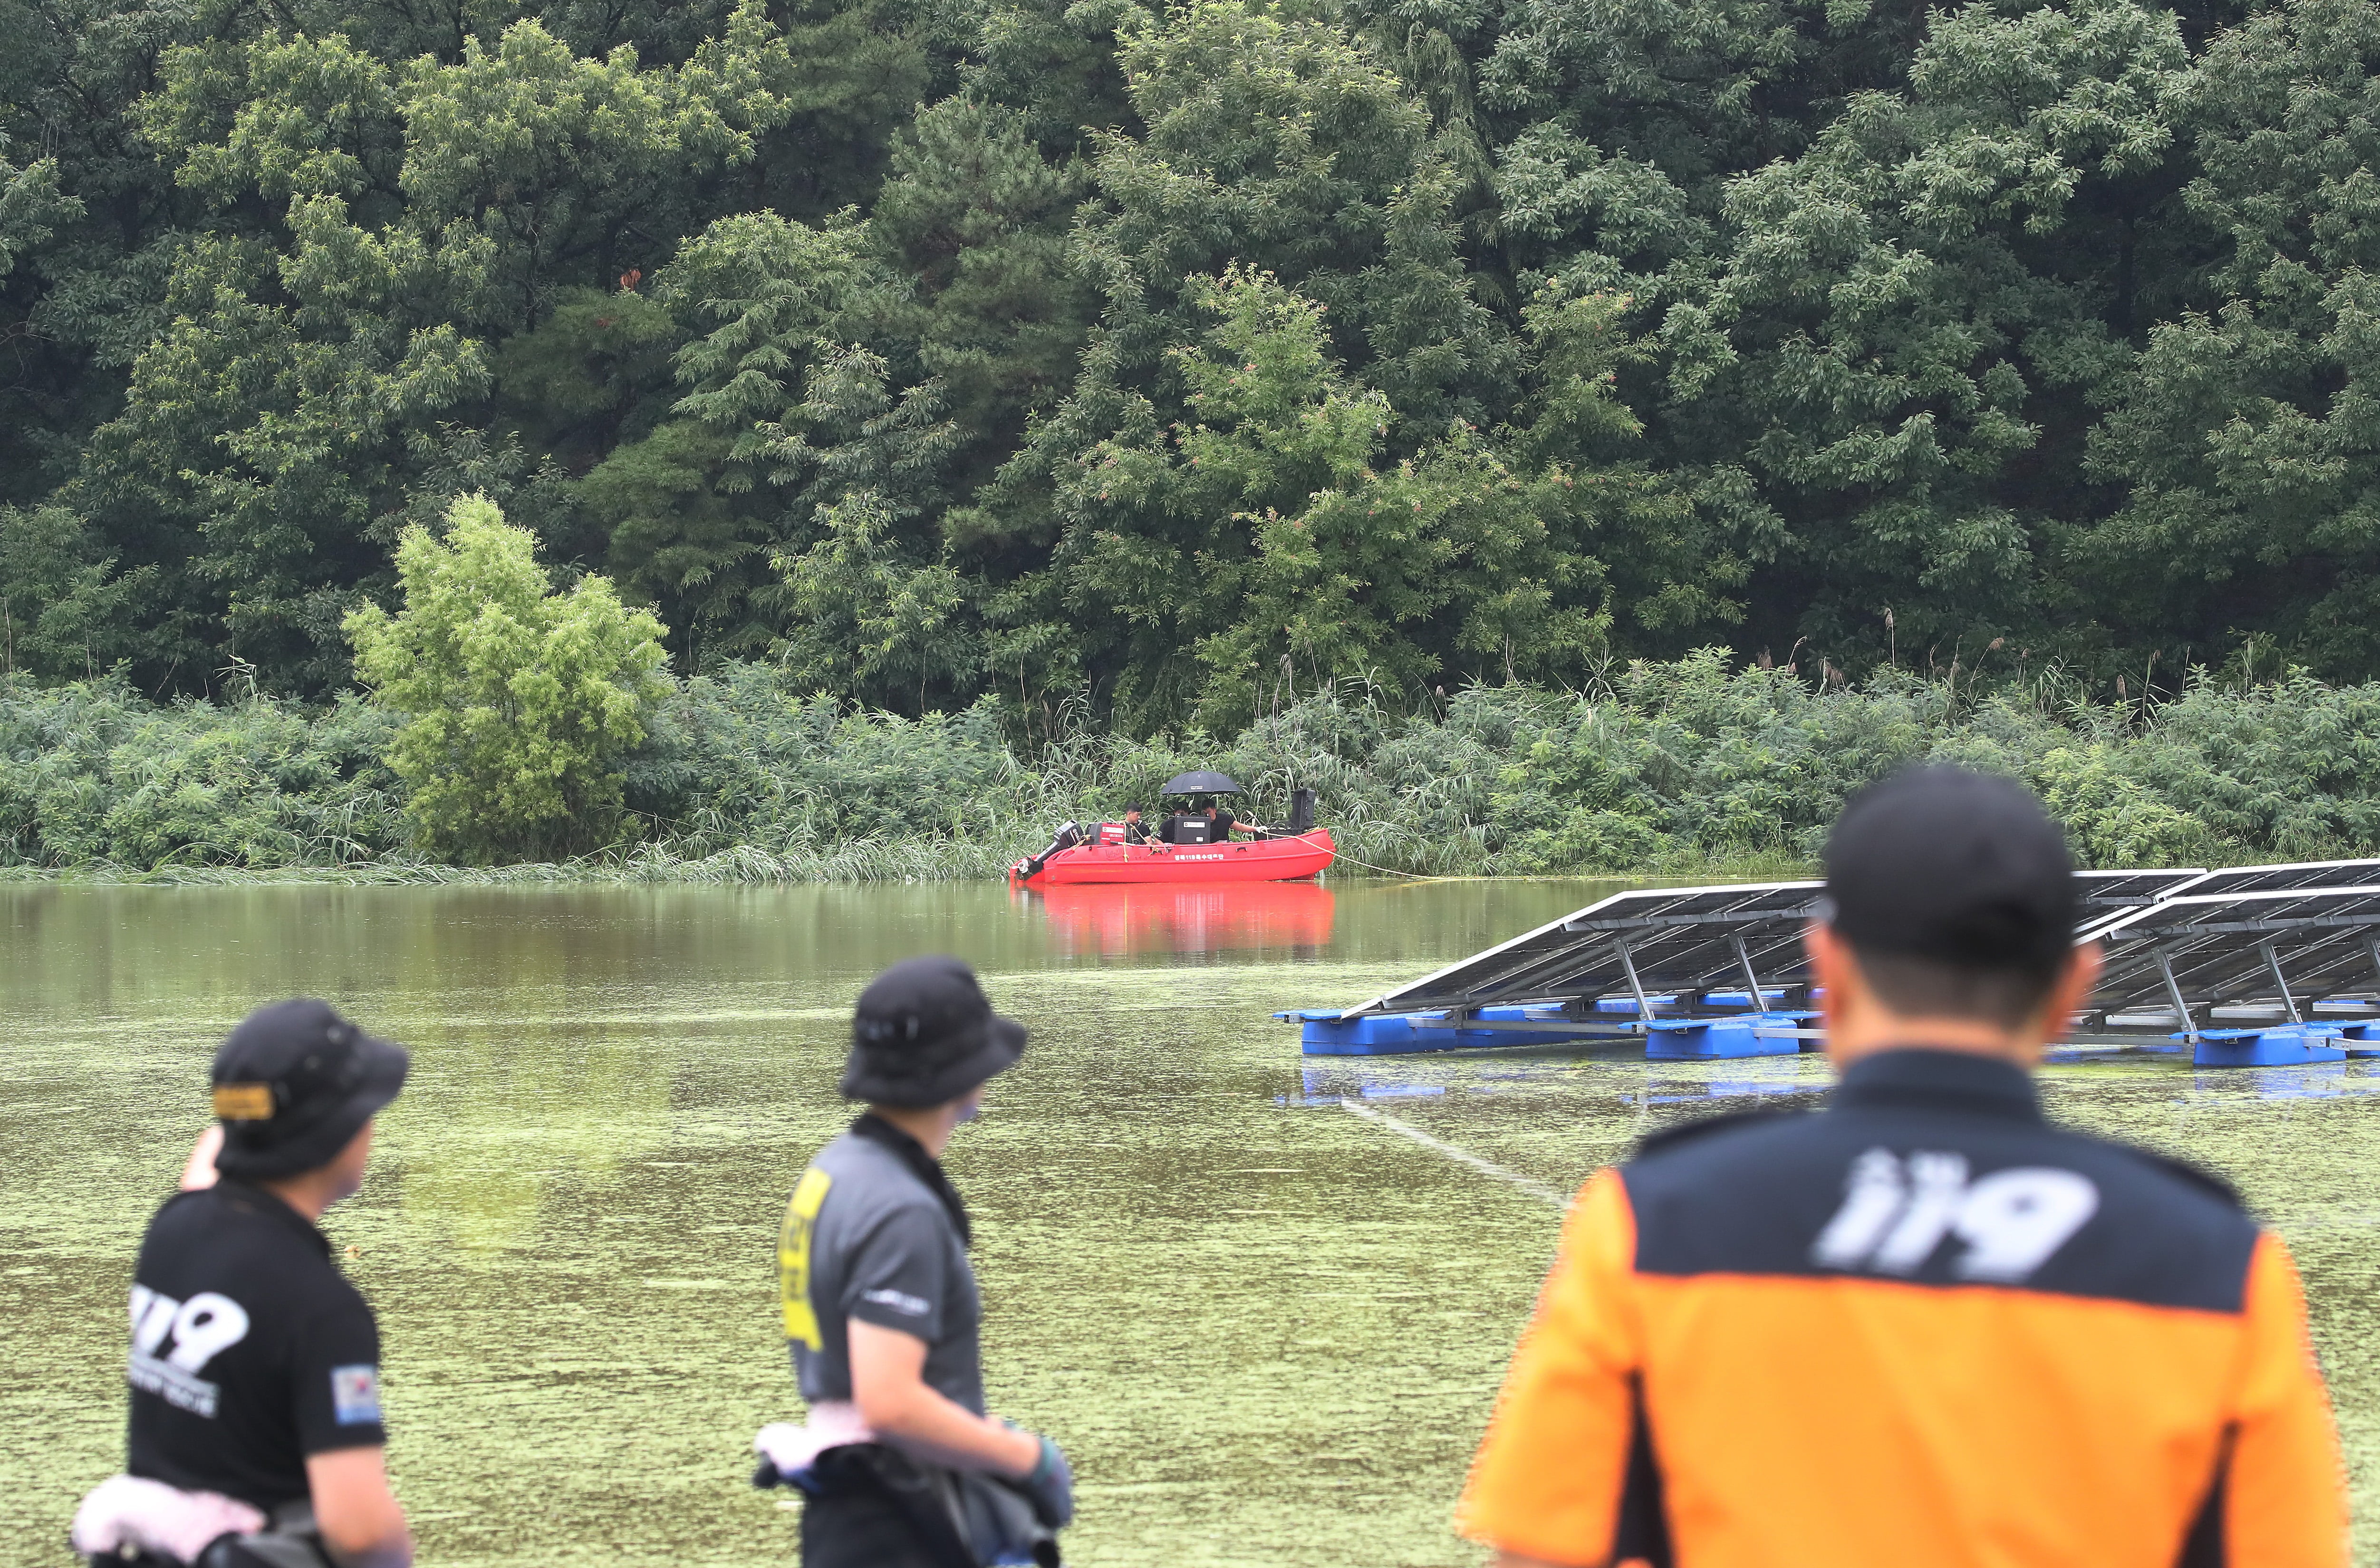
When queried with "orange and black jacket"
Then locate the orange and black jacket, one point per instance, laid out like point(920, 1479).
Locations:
point(1922, 1327)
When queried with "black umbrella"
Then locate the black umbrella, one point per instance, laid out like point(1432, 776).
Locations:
point(1199, 783)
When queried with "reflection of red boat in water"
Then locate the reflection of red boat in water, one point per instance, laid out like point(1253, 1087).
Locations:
point(1182, 852)
point(1112, 921)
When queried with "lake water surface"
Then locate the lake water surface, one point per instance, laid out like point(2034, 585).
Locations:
point(1268, 1330)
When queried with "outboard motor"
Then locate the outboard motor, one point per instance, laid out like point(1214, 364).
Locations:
point(1301, 812)
point(1068, 835)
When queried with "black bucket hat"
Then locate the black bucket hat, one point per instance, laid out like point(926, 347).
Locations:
point(293, 1083)
point(924, 1034)
point(1961, 868)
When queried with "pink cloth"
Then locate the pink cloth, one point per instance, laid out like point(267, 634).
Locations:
point(792, 1448)
point(153, 1517)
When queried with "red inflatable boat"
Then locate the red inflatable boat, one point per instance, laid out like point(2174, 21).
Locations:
point(1278, 860)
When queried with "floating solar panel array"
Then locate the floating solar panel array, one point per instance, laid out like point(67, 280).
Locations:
point(2250, 964)
point(1657, 961)
point(2254, 966)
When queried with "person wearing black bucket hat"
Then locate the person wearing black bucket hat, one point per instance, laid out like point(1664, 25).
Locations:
point(924, 1034)
point(1924, 1324)
point(900, 1464)
point(255, 1365)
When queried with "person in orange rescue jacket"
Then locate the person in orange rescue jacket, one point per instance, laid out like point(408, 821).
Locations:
point(1922, 1325)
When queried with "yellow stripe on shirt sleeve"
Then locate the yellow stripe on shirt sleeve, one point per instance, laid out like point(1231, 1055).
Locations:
point(794, 1257)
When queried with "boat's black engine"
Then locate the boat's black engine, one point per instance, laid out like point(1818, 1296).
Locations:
point(1067, 837)
point(1301, 812)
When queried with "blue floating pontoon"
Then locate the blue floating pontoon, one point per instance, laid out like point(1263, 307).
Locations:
point(2290, 1045)
point(1713, 1038)
point(1330, 1033)
point(1327, 1032)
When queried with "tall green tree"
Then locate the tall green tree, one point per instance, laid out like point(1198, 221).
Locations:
point(870, 621)
point(1278, 143)
point(1903, 309)
point(695, 507)
point(1296, 542)
point(975, 219)
point(378, 222)
point(90, 217)
point(65, 613)
point(520, 703)
point(31, 206)
point(2247, 433)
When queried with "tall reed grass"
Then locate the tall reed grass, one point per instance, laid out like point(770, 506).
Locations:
point(1688, 767)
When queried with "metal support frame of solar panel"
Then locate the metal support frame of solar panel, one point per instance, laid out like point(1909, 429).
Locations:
point(1667, 940)
point(2285, 948)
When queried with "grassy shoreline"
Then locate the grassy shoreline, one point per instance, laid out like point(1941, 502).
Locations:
point(1684, 769)
point(758, 869)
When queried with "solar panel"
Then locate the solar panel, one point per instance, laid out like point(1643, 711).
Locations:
point(2271, 879)
point(2274, 951)
point(1672, 941)
point(2103, 893)
point(1681, 941)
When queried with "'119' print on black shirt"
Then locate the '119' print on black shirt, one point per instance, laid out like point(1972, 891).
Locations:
point(173, 1341)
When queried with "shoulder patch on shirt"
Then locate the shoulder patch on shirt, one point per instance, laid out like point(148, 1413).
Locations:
point(1702, 1126)
point(354, 1395)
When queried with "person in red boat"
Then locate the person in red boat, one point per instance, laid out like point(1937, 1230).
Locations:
point(1220, 822)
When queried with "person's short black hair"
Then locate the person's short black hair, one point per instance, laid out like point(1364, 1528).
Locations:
point(2006, 997)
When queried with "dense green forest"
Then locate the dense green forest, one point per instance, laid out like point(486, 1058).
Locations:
point(1173, 360)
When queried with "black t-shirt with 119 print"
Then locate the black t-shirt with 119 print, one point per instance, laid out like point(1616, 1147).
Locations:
point(251, 1350)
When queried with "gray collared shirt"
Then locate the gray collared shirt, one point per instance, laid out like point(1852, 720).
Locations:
point(865, 1238)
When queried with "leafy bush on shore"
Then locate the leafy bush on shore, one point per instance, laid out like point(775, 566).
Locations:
point(1675, 767)
point(93, 775)
point(1680, 767)
point(519, 701)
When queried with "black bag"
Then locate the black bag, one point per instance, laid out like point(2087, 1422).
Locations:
point(964, 1519)
point(267, 1550)
point(292, 1541)
point(1001, 1523)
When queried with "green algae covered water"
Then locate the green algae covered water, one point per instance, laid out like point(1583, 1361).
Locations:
point(1263, 1300)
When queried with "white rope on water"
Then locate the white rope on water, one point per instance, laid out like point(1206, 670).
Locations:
point(1535, 1188)
point(1338, 855)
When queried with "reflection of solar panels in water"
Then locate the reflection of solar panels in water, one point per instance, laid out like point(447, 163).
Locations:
point(2199, 959)
point(1678, 942)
